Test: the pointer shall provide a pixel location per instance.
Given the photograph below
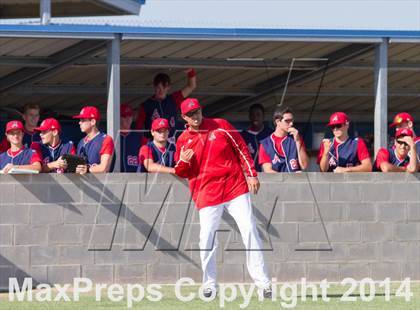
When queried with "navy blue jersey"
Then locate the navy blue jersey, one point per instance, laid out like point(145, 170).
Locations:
point(253, 141)
point(162, 158)
point(130, 145)
point(49, 154)
point(91, 150)
point(29, 137)
point(24, 157)
point(345, 155)
point(287, 163)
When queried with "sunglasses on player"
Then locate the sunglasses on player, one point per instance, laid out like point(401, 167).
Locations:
point(402, 143)
point(337, 126)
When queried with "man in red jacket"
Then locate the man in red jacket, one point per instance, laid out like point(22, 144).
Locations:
point(213, 156)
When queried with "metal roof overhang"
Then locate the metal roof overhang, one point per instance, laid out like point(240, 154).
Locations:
point(234, 65)
point(30, 8)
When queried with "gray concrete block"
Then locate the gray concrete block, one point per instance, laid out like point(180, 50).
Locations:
point(16, 214)
point(411, 270)
point(6, 235)
point(357, 271)
point(63, 274)
point(364, 251)
point(148, 255)
point(231, 272)
point(101, 236)
point(345, 192)
point(6, 272)
point(31, 192)
point(46, 214)
point(31, 235)
point(406, 232)
point(65, 234)
point(410, 192)
point(298, 211)
point(162, 273)
point(330, 211)
point(301, 252)
point(44, 255)
point(413, 210)
point(394, 251)
point(64, 193)
point(312, 232)
point(131, 273)
point(286, 271)
point(375, 232)
point(99, 273)
point(283, 232)
point(7, 194)
point(14, 256)
point(116, 255)
point(377, 192)
point(380, 271)
point(108, 213)
point(37, 273)
point(338, 253)
point(75, 254)
point(319, 272)
point(153, 191)
point(413, 251)
point(191, 271)
point(132, 193)
point(343, 232)
point(391, 212)
point(361, 212)
point(85, 214)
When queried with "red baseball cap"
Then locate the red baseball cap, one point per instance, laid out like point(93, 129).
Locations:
point(189, 104)
point(126, 110)
point(160, 123)
point(404, 132)
point(338, 118)
point(14, 125)
point(401, 117)
point(49, 124)
point(89, 112)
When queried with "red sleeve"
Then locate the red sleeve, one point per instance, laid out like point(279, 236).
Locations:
point(320, 153)
point(107, 146)
point(35, 158)
point(263, 158)
point(141, 117)
point(4, 145)
point(178, 98)
point(37, 148)
point(239, 147)
point(382, 156)
point(145, 153)
point(362, 151)
point(73, 150)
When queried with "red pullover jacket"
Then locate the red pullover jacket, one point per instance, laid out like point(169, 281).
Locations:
point(216, 170)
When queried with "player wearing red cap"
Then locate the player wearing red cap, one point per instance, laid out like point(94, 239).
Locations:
point(52, 148)
point(343, 153)
point(164, 105)
point(18, 156)
point(158, 155)
point(402, 157)
point(131, 140)
point(405, 120)
point(213, 156)
point(96, 147)
point(284, 150)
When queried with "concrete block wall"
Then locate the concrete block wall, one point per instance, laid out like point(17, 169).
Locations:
point(141, 228)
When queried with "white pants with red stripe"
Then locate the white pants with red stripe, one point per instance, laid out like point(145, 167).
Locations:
point(240, 209)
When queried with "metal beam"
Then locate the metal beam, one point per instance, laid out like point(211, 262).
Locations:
point(114, 97)
point(267, 88)
point(381, 96)
point(45, 11)
point(126, 6)
point(58, 60)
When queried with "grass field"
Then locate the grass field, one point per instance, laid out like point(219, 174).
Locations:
point(171, 302)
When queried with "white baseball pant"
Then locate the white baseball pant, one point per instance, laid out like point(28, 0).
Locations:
point(240, 209)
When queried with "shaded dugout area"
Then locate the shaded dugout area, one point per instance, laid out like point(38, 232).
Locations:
point(61, 75)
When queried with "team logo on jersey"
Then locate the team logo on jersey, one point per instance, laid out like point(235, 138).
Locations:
point(251, 148)
point(172, 122)
point(332, 162)
point(132, 160)
point(171, 140)
point(276, 159)
point(294, 164)
point(155, 114)
point(212, 136)
point(189, 141)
